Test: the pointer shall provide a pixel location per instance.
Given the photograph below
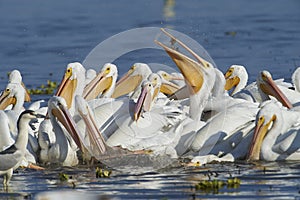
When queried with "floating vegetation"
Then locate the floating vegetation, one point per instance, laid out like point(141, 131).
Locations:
point(231, 33)
point(63, 177)
point(214, 185)
point(102, 173)
point(44, 89)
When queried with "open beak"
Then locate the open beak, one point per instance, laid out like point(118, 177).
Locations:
point(67, 89)
point(270, 88)
point(97, 86)
point(6, 100)
point(190, 69)
point(64, 117)
point(260, 132)
point(143, 103)
point(126, 84)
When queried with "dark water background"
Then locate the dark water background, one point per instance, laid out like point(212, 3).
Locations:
point(40, 37)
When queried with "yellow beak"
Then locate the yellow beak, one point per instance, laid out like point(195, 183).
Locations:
point(270, 88)
point(97, 86)
point(126, 84)
point(260, 132)
point(67, 89)
point(5, 100)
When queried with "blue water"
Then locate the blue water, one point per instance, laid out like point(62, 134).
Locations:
point(41, 37)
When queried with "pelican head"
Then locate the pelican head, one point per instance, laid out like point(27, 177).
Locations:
point(199, 75)
point(103, 84)
point(16, 77)
point(266, 120)
point(167, 87)
point(57, 110)
point(132, 79)
point(267, 86)
point(149, 92)
point(12, 95)
point(72, 83)
point(145, 99)
point(236, 77)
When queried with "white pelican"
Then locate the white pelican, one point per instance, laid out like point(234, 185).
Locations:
point(129, 131)
point(132, 80)
point(228, 126)
point(14, 95)
point(276, 135)
point(103, 85)
point(15, 77)
point(12, 156)
point(92, 140)
point(236, 78)
point(57, 142)
point(72, 84)
point(199, 76)
point(266, 86)
point(260, 90)
point(166, 80)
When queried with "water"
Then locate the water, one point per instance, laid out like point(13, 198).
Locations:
point(40, 37)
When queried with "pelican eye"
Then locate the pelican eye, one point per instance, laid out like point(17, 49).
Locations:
point(7, 90)
point(164, 74)
point(132, 67)
point(107, 70)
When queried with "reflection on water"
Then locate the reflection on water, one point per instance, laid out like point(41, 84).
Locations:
point(169, 11)
point(257, 180)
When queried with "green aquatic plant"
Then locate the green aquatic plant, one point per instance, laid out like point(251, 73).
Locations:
point(214, 185)
point(63, 177)
point(102, 173)
point(44, 89)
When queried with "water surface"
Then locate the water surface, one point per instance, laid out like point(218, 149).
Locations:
point(41, 37)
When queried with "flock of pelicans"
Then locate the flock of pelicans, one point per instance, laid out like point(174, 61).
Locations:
point(199, 113)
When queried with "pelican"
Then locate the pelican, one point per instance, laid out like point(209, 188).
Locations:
point(91, 138)
point(236, 78)
point(276, 134)
point(167, 79)
point(199, 76)
point(131, 130)
point(103, 85)
point(266, 86)
point(72, 84)
point(57, 142)
point(16, 77)
point(14, 95)
point(260, 90)
point(132, 80)
point(12, 156)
